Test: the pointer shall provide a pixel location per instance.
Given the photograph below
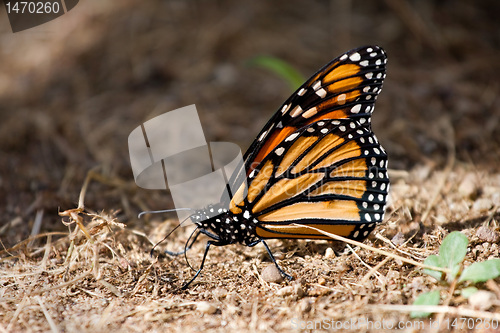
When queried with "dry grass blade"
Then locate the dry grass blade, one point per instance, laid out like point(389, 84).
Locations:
point(370, 248)
point(52, 325)
point(62, 285)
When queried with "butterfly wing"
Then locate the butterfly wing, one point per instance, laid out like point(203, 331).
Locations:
point(317, 161)
point(347, 87)
point(331, 174)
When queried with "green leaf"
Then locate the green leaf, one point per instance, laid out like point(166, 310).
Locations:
point(433, 260)
point(467, 292)
point(280, 68)
point(430, 298)
point(481, 271)
point(453, 249)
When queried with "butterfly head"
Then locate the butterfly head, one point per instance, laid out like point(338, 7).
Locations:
point(225, 227)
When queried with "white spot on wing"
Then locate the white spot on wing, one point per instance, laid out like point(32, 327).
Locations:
point(279, 151)
point(309, 113)
point(291, 136)
point(355, 57)
point(296, 111)
point(262, 136)
point(341, 99)
point(316, 85)
point(321, 92)
point(356, 108)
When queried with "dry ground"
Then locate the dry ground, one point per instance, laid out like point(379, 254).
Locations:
point(72, 90)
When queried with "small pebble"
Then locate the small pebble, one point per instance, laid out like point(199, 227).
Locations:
point(206, 307)
point(220, 292)
point(441, 219)
point(321, 281)
point(482, 204)
point(398, 239)
point(271, 274)
point(468, 186)
point(297, 288)
point(305, 305)
point(482, 300)
point(341, 267)
point(487, 234)
point(329, 253)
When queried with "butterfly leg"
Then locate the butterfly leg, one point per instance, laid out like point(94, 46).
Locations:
point(184, 287)
point(283, 274)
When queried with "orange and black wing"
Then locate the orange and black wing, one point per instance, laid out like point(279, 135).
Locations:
point(317, 161)
point(347, 87)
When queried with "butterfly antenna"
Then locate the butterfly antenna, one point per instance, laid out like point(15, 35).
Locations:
point(171, 231)
point(161, 211)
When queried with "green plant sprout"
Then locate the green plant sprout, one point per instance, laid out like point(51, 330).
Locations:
point(451, 255)
point(281, 68)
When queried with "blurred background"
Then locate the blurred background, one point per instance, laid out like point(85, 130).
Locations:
point(73, 89)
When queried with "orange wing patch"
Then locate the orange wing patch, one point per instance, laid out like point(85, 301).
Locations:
point(326, 143)
point(348, 150)
point(298, 147)
point(274, 139)
point(355, 168)
point(340, 73)
point(314, 210)
point(260, 181)
point(352, 188)
point(237, 199)
point(287, 188)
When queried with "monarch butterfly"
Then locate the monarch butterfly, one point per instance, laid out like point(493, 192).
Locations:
point(316, 162)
